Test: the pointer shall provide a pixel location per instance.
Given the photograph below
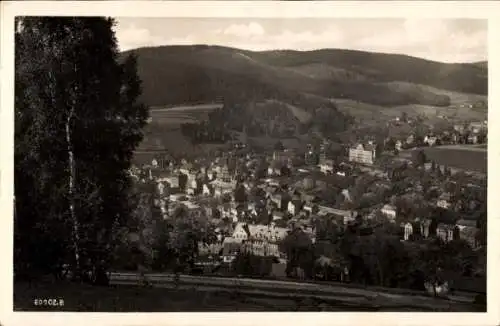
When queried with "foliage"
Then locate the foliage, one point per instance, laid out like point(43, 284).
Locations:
point(279, 146)
point(240, 195)
point(299, 249)
point(68, 68)
point(251, 265)
point(419, 158)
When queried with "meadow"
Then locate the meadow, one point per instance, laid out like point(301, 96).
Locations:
point(465, 159)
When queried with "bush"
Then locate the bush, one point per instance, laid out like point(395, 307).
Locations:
point(480, 299)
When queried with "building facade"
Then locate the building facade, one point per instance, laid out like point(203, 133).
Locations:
point(364, 154)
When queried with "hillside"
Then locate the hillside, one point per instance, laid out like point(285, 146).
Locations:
point(286, 93)
point(176, 74)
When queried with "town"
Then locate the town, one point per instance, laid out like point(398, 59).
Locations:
point(276, 206)
point(310, 175)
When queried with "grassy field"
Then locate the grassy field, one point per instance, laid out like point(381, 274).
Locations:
point(164, 130)
point(131, 298)
point(372, 114)
point(128, 298)
point(471, 160)
point(181, 114)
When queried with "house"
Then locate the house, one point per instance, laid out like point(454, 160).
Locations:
point(467, 230)
point(277, 200)
point(274, 170)
point(398, 145)
point(444, 201)
point(476, 127)
point(230, 250)
point(310, 208)
point(295, 206)
point(208, 189)
point(446, 232)
point(459, 128)
point(228, 211)
point(425, 228)
point(280, 200)
point(252, 208)
point(389, 211)
point(173, 181)
point(161, 186)
point(260, 248)
point(194, 187)
point(224, 174)
point(222, 187)
point(245, 232)
point(364, 154)
point(407, 230)
point(349, 219)
point(472, 139)
point(283, 156)
point(430, 140)
point(308, 198)
point(327, 166)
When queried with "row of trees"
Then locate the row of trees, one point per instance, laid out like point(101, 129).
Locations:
point(378, 257)
point(156, 243)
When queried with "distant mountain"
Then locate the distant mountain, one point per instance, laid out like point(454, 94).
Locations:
point(180, 74)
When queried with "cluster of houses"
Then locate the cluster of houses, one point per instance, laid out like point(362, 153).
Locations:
point(464, 229)
point(472, 133)
point(256, 199)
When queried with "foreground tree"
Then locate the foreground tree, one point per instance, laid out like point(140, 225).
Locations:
point(77, 123)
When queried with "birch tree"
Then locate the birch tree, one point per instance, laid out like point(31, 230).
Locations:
point(78, 121)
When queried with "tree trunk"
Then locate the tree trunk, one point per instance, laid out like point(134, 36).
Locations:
point(71, 192)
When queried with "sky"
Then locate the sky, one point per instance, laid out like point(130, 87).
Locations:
point(445, 40)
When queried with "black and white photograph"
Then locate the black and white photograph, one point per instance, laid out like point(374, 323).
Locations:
point(249, 164)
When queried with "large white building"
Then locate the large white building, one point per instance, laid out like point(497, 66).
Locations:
point(364, 154)
point(389, 211)
point(245, 232)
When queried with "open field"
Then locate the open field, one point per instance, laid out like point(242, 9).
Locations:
point(164, 130)
point(469, 160)
point(463, 157)
point(182, 114)
point(371, 114)
point(482, 148)
point(197, 107)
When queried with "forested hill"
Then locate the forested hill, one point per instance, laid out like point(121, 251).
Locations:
point(199, 73)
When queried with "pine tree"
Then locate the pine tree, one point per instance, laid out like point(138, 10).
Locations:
point(77, 124)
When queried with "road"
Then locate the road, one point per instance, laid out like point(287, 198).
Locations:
point(278, 288)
